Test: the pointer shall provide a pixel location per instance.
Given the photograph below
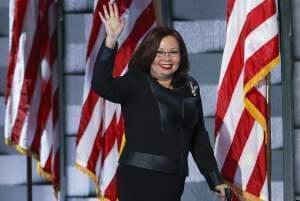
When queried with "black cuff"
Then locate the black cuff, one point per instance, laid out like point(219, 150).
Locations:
point(214, 179)
point(106, 53)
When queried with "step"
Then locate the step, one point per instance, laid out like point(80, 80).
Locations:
point(4, 13)
point(295, 15)
point(2, 110)
point(202, 35)
point(195, 10)
point(76, 41)
point(78, 5)
point(296, 160)
point(19, 192)
point(13, 170)
point(4, 148)
point(78, 183)
point(296, 94)
point(3, 51)
point(206, 67)
point(2, 80)
point(73, 92)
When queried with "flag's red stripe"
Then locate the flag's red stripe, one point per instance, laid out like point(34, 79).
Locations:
point(97, 147)
point(261, 58)
point(86, 113)
point(26, 92)
point(241, 135)
point(259, 173)
point(230, 4)
point(259, 101)
point(142, 25)
point(240, 138)
point(19, 16)
point(47, 167)
point(50, 52)
point(122, 5)
point(111, 190)
point(95, 27)
point(55, 109)
point(55, 171)
point(109, 137)
point(235, 65)
point(31, 72)
point(43, 114)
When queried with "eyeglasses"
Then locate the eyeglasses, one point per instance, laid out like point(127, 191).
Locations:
point(173, 53)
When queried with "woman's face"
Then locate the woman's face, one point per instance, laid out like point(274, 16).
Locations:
point(167, 59)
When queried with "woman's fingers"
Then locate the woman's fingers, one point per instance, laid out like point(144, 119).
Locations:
point(102, 17)
point(106, 15)
point(111, 10)
point(116, 11)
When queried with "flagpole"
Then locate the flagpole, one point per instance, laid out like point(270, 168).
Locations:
point(29, 177)
point(285, 22)
point(60, 47)
point(268, 142)
point(163, 12)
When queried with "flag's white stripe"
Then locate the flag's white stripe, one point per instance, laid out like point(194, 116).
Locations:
point(52, 19)
point(84, 147)
point(249, 156)
point(46, 140)
point(109, 167)
point(235, 24)
point(30, 122)
point(91, 62)
point(130, 16)
point(264, 194)
point(110, 110)
point(45, 70)
point(230, 122)
point(8, 119)
point(25, 44)
point(12, 4)
point(258, 37)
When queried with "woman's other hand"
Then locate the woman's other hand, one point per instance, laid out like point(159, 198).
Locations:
point(220, 191)
point(113, 24)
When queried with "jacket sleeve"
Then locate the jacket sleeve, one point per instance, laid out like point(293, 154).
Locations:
point(202, 151)
point(104, 84)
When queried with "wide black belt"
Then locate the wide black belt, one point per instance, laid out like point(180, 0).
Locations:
point(153, 162)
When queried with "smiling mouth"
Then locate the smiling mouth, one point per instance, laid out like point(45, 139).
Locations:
point(166, 66)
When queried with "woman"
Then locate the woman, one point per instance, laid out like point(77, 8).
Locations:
point(163, 116)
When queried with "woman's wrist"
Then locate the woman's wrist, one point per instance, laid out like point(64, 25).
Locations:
point(110, 42)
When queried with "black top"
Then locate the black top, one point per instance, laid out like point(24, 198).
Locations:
point(160, 122)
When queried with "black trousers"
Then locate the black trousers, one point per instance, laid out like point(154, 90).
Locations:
point(139, 184)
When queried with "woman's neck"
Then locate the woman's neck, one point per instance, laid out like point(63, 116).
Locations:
point(165, 83)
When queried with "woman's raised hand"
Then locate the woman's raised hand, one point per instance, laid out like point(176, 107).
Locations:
point(113, 24)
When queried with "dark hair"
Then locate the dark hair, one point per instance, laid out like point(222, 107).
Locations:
point(146, 52)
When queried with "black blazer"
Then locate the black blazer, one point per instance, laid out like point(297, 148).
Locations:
point(161, 125)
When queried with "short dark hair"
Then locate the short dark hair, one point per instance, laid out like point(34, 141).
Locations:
point(146, 52)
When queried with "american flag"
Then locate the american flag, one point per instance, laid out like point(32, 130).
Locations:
point(101, 130)
point(251, 52)
point(31, 119)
